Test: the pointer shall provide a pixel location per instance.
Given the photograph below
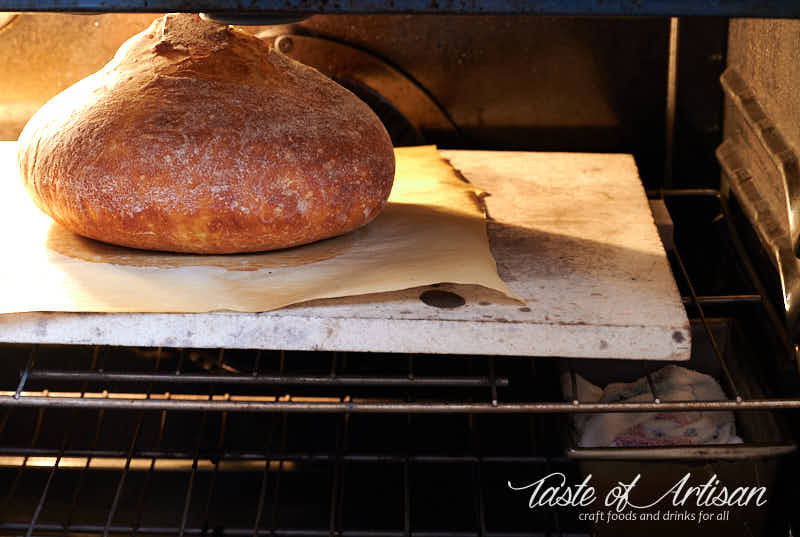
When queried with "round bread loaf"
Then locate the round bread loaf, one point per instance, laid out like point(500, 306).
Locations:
point(201, 138)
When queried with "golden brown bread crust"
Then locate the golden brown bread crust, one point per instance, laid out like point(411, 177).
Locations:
point(200, 138)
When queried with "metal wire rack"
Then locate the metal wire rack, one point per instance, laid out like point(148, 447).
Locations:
point(224, 442)
point(266, 453)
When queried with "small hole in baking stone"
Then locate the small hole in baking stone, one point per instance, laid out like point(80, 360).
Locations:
point(525, 309)
point(442, 299)
point(678, 337)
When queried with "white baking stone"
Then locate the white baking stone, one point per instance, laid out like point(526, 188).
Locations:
point(572, 234)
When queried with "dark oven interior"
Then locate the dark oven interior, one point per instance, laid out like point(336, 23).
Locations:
point(111, 440)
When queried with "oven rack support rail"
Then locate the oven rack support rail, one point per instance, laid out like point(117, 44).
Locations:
point(302, 8)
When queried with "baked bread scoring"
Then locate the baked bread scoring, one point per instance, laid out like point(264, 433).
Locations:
point(201, 138)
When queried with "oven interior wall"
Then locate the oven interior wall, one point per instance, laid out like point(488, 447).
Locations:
point(507, 82)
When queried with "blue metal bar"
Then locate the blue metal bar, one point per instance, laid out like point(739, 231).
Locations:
point(723, 8)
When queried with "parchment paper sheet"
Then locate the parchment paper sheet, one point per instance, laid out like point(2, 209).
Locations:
point(431, 231)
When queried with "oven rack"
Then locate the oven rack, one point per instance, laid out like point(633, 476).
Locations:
point(202, 471)
point(213, 445)
point(44, 451)
point(173, 387)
